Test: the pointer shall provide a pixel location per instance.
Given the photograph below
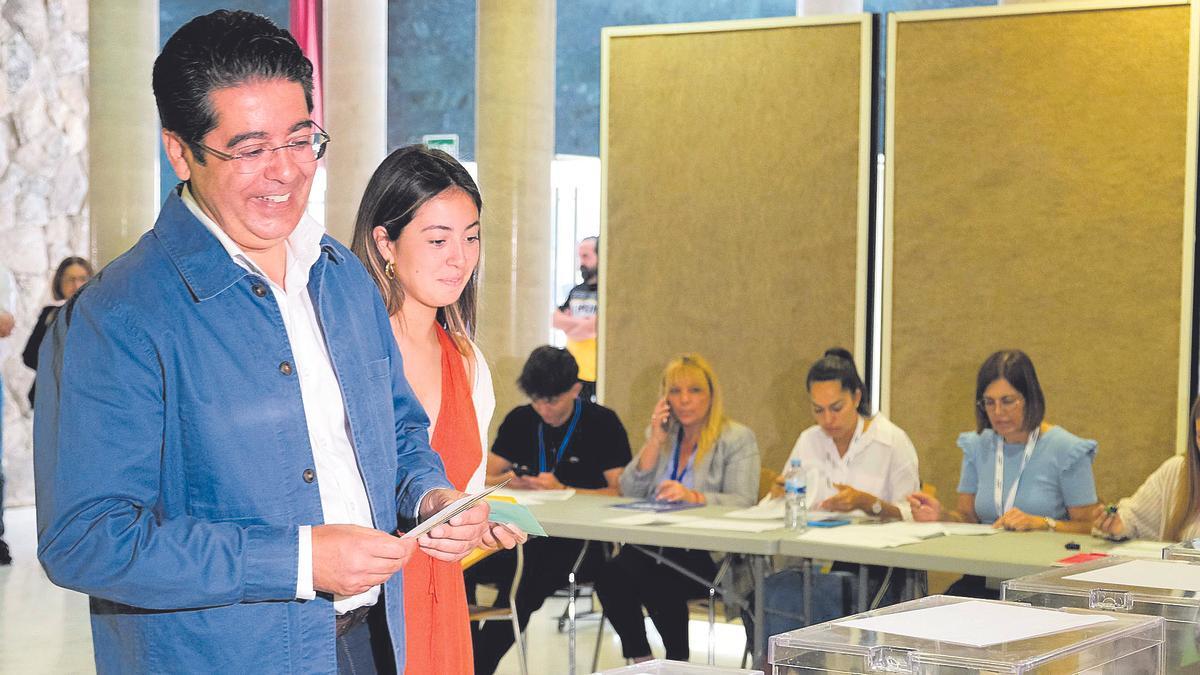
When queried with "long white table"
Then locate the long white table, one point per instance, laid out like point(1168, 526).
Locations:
point(1004, 555)
point(586, 516)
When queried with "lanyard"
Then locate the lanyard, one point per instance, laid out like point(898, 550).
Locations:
point(1012, 492)
point(676, 474)
point(562, 446)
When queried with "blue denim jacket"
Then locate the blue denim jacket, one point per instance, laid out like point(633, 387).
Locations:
point(172, 457)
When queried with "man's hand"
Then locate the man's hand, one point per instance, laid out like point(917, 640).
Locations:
point(453, 540)
point(544, 481)
point(7, 322)
point(348, 559)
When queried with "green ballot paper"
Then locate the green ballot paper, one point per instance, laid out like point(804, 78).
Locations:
point(515, 514)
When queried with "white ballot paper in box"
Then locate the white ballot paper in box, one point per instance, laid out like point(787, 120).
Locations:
point(1166, 574)
point(453, 509)
point(976, 623)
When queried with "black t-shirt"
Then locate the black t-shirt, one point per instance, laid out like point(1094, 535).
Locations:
point(582, 300)
point(599, 443)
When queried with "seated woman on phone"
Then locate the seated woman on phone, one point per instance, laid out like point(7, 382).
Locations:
point(859, 461)
point(1018, 472)
point(693, 453)
point(1167, 506)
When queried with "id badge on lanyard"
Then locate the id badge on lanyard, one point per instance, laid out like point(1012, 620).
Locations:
point(999, 475)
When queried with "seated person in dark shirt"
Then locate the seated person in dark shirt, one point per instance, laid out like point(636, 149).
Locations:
point(557, 441)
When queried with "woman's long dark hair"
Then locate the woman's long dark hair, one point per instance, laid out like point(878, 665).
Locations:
point(401, 185)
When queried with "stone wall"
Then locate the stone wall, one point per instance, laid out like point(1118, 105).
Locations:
point(43, 187)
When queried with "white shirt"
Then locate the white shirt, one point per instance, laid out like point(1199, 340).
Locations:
point(880, 460)
point(343, 493)
point(483, 396)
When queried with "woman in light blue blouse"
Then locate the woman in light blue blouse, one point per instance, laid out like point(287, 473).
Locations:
point(1045, 472)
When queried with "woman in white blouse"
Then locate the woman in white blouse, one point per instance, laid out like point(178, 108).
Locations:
point(854, 461)
point(1167, 506)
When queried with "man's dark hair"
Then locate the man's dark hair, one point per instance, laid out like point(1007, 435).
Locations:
point(548, 372)
point(838, 365)
point(1014, 366)
point(218, 50)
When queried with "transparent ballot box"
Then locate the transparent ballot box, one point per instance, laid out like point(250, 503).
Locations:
point(950, 635)
point(664, 667)
point(1166, 588)
point(1187, 550)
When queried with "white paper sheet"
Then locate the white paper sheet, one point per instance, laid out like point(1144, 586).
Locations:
point(535, 497)
point(639, 519)
point(867, 536)
point(767, 509)
point(976, 623)
point(970, 529)
point(733, 525)
point(1140, 549)
point(1166, 574)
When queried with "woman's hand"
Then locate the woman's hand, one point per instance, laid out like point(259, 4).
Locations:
point(502, 535)
point(925, 507)
point(1109, 523)
point(659, 420)
point(1018, 521)
point(674, 491)
point(847, 499)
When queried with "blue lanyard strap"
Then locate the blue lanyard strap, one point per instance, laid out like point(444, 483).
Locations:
point(562, 446)
point(676, 474)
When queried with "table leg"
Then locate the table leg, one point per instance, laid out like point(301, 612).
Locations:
point(863, 590)
point(758, 565)
point(808, 586)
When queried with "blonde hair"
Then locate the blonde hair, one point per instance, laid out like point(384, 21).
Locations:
point(1184, 506)
point(694, 366)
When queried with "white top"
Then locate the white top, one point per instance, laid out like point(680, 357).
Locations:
point(343, 494)
point(880, 460)
point(483, 396)
point(1145, 513)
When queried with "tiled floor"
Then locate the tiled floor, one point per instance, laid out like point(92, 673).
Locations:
point(44, 629)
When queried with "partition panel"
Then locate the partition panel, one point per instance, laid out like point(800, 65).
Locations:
point(736, 170)
point(1041, 197)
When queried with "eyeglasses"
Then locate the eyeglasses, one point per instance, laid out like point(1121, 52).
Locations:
point(1005, 403)
point(304, 150)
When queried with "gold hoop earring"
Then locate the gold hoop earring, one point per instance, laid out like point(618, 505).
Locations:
point(389, 270)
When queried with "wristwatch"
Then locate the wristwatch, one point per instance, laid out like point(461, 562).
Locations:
point(876, 507)
point(1051, 524)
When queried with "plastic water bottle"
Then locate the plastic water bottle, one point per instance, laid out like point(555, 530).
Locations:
point(795, 497)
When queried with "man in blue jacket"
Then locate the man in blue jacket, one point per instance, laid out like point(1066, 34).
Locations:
point(225, 442)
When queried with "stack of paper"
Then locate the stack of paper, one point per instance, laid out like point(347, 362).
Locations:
point(976, 623)
point(1140, 549)
point(732, 525)
point(535, 497)
point(639, 519)
point(1165, 574)
point(888, 535)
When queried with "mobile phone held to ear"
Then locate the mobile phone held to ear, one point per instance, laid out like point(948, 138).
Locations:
point(666, 423)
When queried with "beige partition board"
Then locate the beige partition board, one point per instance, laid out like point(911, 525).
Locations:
point(1041, 196)
point(736, 180)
